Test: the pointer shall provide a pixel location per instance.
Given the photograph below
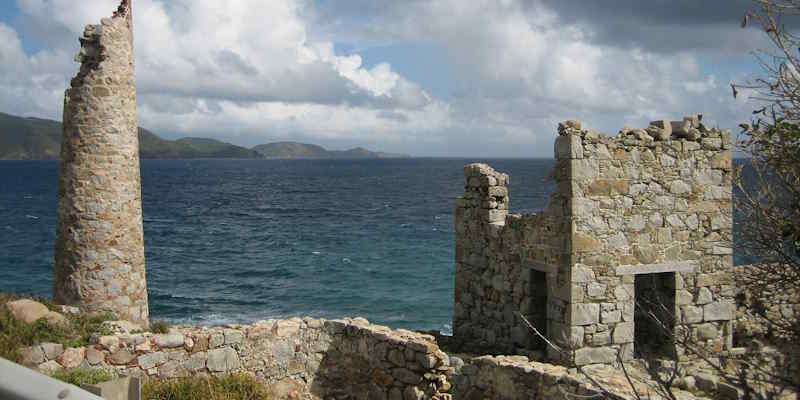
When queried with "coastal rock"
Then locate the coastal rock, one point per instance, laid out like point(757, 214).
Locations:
point(30, 356)
point(94, 356)
point(26, 310)
point(52, 350)
point(121, 357)
point(72, 357)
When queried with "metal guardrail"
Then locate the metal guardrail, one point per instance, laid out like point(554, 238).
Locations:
point(20, 383)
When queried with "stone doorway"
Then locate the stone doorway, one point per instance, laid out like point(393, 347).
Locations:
point(654, 315)
point(537, 311)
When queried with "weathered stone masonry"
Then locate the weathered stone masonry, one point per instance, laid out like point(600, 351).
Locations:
point(298, 358)
point(99, 252)
point(641, 218)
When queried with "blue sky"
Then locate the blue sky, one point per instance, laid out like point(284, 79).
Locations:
point(429, 78)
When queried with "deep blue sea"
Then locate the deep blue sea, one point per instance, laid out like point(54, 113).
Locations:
point(242, 240)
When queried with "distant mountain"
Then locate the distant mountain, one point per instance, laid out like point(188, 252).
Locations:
point(152, 146)
point(40, 139)
point(289, 150)
point(29, 138)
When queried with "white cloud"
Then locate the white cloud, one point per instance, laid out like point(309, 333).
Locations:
point(259, 71)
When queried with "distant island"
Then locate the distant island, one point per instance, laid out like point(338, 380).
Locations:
point(40, 139)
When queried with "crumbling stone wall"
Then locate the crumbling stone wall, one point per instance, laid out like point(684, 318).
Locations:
point(99, 251)
point(298, 358)
point(653, 201)
point(498, 256)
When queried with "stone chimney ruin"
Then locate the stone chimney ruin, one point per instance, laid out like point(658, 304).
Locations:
point(99, 251)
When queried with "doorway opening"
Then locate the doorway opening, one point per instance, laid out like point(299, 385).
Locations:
point(654, 315)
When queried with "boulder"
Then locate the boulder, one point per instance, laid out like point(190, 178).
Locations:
point(26, 310)
point(72, 357)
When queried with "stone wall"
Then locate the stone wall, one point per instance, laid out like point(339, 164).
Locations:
point(652, 204)
point(497, 255)
point(517, 378)
point(99, 251)
point(298, 358)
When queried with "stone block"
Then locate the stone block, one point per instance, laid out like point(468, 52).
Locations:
point(679, 187)
point(707, 331)
point(596, 290)
point(607, 187)
point(692, 314)
point(233, 336)
point(196, 362)
point(706, 382)
point(584, 169)
point(121, 357)
point(623, 333)
point(718, 311)
point(595, 355)
point(223, 360)
point(72, 357)
point(150, 360)
point(585, 313)
point(568, 147)
point(216, 340)
point(94, 356)
point(31, 356)
point(170, 340)
point(610, 317)
point(704, 296)
point(50, 367)
point(722, 160)
point(711, 143)
point(52, 350)
point(583, 242)
point(683, 297)
point(582, 274)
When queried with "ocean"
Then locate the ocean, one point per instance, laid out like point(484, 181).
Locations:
point(230, 241)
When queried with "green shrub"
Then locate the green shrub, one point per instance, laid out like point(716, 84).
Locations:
point(15, 334)
point(228, 387)
point(159, 327)
point(84, 376)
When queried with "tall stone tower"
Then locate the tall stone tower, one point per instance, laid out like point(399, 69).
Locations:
point(99, 252)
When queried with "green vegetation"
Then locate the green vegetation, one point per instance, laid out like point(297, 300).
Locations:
point(228, 387)
point(159, 327)
point(16, 334)
point(84, 376)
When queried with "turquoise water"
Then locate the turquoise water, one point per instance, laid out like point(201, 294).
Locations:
point(242, 240)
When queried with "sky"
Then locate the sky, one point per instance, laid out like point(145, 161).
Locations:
point(453, 78)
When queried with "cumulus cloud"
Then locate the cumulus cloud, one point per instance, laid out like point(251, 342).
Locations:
point(253, 71)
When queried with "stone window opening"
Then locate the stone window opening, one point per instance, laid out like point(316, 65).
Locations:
point(654, 315)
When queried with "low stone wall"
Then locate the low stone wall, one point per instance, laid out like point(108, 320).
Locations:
point(300, 358)
point(517, 378)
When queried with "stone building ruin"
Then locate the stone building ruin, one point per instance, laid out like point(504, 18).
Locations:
point(99, 251)
point(636, 221)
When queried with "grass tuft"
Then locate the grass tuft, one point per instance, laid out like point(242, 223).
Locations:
point(159, 327)
point(16, 334)
point(227, 387)
point(84, 376)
